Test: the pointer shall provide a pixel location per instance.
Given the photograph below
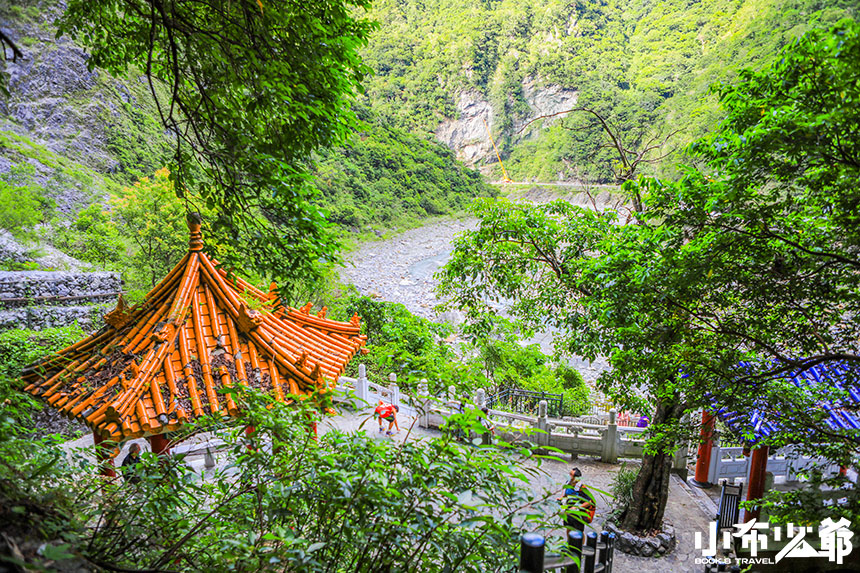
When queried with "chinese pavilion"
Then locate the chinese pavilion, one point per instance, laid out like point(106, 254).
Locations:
point(162, 363)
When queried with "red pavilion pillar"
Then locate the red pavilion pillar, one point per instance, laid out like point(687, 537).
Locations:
point(104, 455)
point(159, 444)
point(249, 433)
point(755, 483)
point(703, 456)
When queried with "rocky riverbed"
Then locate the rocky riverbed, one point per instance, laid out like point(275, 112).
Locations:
point(400, 269)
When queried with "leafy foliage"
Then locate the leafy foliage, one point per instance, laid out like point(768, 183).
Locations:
point(621, 488)
point(92, 237)
point(646, 66)
point(153, 220)
point(387, 177)
point(734, 276)
point(415, 348)
point(19, 347)
point(399, 342)
point(253, 88)
point(761, 244)
point(21, 204)
point(344, 503)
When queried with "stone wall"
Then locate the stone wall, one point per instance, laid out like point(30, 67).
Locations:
point(40, 299)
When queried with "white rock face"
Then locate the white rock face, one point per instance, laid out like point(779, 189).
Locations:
point(467, 135)
point(546, 101)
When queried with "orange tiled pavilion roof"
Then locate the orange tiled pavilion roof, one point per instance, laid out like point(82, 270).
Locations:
point(160, 364)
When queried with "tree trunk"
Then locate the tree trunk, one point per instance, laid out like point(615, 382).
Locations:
point(651, 489)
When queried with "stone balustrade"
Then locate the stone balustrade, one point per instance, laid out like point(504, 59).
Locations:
point(607, 441)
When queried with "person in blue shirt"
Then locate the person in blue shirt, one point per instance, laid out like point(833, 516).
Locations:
point(578, 502)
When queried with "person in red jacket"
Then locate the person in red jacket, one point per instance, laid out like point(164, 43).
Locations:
point(387, 412)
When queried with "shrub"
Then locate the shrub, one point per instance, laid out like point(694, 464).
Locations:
point(347, 502)
point(22, 203)
point(20, 347)
point(621, 488)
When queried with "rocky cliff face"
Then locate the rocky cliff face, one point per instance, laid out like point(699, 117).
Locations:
point(79, 132)
point(467, 134)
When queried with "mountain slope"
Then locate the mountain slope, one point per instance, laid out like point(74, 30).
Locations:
point(76, 136)
point(645, 64)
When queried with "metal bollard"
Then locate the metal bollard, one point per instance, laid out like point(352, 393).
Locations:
point(532, 546)
point(603, 545)
point(575, 541)
point(610, 552)
point(589, 553)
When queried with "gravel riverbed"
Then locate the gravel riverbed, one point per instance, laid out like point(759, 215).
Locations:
point(400, 269)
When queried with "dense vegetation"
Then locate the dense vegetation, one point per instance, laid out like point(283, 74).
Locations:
point(387, 177)
point(416, 349)
point(646, 65)
point(81, 161)
point(725, 283)
point(343, 503)
point(749, 254)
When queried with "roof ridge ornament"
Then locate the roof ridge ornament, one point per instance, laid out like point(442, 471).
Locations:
point(248, 319)
point(195, 237)
point(120, 315)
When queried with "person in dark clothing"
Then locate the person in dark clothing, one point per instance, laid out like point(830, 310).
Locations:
point(577, 500)
point(129, 464)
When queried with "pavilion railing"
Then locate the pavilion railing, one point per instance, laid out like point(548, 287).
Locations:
point(526, 401)
point(587, 435)
point(730, 463)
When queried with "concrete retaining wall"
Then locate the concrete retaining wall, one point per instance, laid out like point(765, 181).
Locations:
point(41, 299)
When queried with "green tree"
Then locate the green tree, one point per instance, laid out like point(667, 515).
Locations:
point(569, 269)
point(254, 87)
point(153, 219)
point(92, 237)
point(751, 260)
point(22, 205)
point(344, 503)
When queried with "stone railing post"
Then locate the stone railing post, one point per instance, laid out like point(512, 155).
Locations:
point(480, 398)
point(452, 393)
point(679, 463)
point(610, 440)
point(423, 403)
point(394, 389)
point(791, 458)
point(542, 424)
point(362, 389)
point(208, 459)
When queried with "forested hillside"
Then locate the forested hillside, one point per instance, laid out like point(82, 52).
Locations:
point(646, 65)
point(71, 137)
point(75, 143)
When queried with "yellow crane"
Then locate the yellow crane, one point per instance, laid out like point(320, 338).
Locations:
point(505, 173)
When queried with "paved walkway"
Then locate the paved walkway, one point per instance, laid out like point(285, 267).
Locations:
point(686, 508)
